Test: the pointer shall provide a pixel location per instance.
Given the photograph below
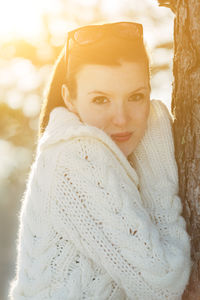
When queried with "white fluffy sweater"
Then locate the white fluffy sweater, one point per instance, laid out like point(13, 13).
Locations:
point(96, 225)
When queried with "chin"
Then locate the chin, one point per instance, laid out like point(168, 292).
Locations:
point(127, 147)
point(126, 151)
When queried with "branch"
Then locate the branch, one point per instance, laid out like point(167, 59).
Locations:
point(170, 4)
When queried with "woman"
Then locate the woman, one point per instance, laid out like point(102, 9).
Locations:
point(101, 214)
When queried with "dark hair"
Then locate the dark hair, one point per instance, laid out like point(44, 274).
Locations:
point(108, 51)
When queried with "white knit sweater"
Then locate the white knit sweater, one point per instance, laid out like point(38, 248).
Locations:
point(94, 225)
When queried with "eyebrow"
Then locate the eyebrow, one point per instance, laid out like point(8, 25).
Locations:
point(104, 93)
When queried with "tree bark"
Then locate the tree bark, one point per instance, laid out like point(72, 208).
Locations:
point(186, 127)
point(186, 110)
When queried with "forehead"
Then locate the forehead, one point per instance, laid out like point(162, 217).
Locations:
point(127, 75)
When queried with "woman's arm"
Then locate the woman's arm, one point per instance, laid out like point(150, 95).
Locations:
point(96, 204)
point(154, 162)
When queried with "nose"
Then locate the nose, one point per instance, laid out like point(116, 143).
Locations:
point(120, 116)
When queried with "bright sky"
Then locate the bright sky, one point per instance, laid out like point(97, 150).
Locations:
point(22, 18)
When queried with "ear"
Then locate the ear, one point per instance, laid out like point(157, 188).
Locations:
point(66, 98)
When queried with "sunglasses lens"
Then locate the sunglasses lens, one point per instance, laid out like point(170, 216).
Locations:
point(93, 33)
point(129, 30)
point(87, 35)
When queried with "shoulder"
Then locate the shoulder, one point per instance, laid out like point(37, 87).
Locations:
point(78, 154)
point(82, 162)
point(84, 149)
point(88, 157)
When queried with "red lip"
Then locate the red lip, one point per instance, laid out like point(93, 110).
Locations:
point(121, 137)
point(121, 134)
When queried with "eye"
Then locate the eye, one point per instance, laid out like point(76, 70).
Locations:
point(136, 97)
point(100, 100)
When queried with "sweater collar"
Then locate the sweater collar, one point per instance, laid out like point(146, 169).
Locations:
point(64, 125)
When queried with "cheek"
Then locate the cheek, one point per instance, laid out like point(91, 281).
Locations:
point(140, 115)
point(93, 117)
point(145, 115)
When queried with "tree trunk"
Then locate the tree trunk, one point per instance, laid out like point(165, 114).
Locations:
point(186, 110)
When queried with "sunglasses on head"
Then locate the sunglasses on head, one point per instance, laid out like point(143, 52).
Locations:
point(90, 34)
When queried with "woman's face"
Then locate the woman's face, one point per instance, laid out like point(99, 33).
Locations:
point(115, 99)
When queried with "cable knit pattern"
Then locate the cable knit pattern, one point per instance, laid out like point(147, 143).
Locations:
point(96, 225)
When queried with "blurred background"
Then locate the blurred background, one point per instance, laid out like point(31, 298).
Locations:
point(32, 33)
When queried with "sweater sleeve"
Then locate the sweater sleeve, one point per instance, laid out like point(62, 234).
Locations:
point(154, 162)
point(99, 207)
